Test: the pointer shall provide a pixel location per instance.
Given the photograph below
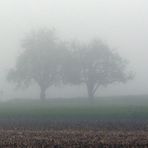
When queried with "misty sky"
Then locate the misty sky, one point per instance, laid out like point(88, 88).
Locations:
point(123, 24)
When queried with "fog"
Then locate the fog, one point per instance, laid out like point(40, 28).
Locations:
point(121, 24)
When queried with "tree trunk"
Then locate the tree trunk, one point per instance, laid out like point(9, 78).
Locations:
point(43, 94)
point(90, 92)
point(90, 95)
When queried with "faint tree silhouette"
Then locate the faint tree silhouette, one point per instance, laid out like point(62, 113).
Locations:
point(94, 64)
point(40, 61)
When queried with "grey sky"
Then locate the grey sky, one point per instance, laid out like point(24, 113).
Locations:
point(121, 23)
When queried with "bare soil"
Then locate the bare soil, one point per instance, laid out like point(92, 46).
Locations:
point(70, 138)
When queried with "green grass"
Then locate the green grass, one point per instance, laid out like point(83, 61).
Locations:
point(102, 108)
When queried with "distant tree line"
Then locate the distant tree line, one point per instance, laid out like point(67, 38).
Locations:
point(48, 61)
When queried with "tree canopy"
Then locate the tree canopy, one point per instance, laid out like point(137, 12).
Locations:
point(39, 61)
point(48, 61)
point(95, 64)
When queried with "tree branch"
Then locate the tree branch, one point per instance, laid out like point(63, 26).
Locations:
point(95, 88)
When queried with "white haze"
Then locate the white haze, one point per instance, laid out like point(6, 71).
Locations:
point(123, 24)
